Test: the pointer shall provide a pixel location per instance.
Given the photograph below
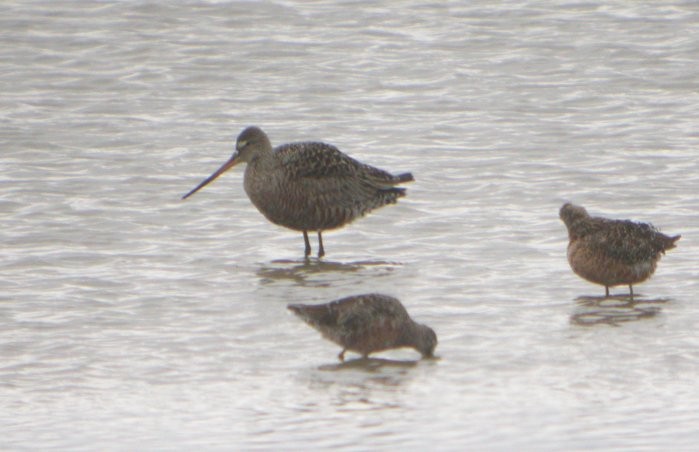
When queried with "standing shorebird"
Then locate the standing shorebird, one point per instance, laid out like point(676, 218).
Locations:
point(308, 186)
point(366, 324)
point(612, 252)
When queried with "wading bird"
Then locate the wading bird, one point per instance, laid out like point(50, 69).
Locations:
point(308, 186)
point(612, 252)
point(366, 324)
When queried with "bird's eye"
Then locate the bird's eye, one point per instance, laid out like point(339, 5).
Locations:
point(242, 144)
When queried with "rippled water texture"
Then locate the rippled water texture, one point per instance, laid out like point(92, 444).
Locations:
point(130, 319)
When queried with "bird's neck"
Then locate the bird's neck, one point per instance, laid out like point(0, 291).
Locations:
point(408, 336)
point(259, 171)
point(263, 160)
point(580, 227)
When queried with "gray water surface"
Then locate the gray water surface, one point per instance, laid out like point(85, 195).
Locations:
point(130, 319)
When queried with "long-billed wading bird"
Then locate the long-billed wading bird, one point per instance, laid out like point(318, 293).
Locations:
point(308, 186)
point(612, 252)
point(366, 324)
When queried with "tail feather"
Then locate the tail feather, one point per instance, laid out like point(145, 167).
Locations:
point(397, 191)
point(405, 177)
point(670, 242)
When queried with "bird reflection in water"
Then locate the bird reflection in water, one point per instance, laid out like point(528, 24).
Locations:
point(371, 364)
point(590, 311)
point(373, 383)
point(318, 273)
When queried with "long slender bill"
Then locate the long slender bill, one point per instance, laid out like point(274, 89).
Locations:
point(226, 166)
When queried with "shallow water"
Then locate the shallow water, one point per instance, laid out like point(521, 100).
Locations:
point(132, 319)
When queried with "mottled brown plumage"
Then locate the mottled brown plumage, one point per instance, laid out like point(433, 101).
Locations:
point(366, 324)
point(309, 186)
point(612, 252)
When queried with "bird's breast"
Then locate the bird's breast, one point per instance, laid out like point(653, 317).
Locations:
point(283, 200)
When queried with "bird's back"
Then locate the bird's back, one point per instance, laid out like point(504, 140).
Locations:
point(627, 241)
point(322, 160)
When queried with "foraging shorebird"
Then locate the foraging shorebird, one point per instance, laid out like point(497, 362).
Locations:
point(612, 252)
point(366, 324)
point(308, 186)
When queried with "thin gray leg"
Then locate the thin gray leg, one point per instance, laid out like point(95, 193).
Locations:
point(308, 244)
point(321, 250)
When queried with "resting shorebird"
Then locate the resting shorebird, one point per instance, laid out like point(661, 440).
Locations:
point(612, 252)
point(308, 186)
point(366, 324)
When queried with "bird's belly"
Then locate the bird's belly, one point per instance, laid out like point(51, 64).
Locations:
point(299, 212)
point(369, 340)
point(600, 268)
